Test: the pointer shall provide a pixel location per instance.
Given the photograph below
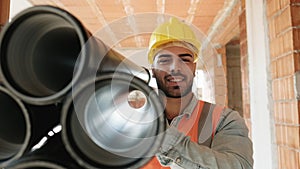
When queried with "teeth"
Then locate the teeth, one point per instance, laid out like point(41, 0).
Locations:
point(176, 80)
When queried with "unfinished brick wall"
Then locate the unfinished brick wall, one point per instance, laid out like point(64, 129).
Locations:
point(244, 66)
point(233, 27)
point(215, 75)
point(284, 37)
point(220, 77)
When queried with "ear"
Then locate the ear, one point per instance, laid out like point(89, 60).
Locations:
point(194, 69)
point(153, 73)
point(153, 70)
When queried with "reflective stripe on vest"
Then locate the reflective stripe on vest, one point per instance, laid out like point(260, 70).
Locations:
point(193, 126)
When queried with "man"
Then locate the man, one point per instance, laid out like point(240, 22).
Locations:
point(199, 134)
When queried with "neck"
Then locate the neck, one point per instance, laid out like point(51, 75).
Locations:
point(174, 106)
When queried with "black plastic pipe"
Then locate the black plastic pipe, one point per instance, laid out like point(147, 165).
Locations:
point(52, 155)
point(101, 129)
point(45, 49)
point(14, 127)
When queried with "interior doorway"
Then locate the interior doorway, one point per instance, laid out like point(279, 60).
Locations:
point(234, 82)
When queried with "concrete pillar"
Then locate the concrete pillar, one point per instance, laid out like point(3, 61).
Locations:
point(260, 86)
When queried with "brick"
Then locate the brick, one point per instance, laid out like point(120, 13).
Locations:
point(275, 90)
point(219, 71)
point(244, 63)
point(242, 25)
point(298, 155)
point(291, 88)
point(220, 90)
point(287, 43)
point(284, 135)
point(284, 3)
point(277, 47)
point(292, 114)
point(293, 118)
point(245, 96)
point(290, 158)
point(272, 49)
point(245, 79)
point(283, 21)
point(279, 67)
point(273, 6)
point(296, 38)
point(298, 114)
point(295, 15)
point(283, 88)
point(272, 31)
point(279, 154)
point(288, 88)
point(297, 61)
point(244, 49)
point(284, 66)
point(293, 136)
point(279, 136)
point(274, 71)
point(221, 100)
point(278, 110)
point(220, 80)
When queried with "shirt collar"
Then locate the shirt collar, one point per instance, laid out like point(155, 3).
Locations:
point(187, 111)
point(190, 108)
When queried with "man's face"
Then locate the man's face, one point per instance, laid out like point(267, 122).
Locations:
point(174, 70)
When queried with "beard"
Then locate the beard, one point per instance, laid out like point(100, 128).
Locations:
point(174, 91)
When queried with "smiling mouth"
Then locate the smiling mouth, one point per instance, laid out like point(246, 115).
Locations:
point(175, 79)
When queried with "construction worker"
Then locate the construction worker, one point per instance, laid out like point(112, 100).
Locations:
point(199, 134)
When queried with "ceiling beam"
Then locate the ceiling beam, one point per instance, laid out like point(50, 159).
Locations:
point(100, 17)
point(192, 11)
point(220, 18)
point(129, 10)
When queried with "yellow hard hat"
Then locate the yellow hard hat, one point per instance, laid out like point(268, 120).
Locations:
point(173, 31)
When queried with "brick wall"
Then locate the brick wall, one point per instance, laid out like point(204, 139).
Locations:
point(284, 36)
point(220, 77)
point(244, 66)
point(212, 63)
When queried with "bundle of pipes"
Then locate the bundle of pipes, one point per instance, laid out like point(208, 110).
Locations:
point(55, 73)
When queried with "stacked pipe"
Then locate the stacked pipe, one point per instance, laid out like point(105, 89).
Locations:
point(56, 74)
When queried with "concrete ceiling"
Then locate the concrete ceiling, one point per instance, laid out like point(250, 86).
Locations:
point(206, 15)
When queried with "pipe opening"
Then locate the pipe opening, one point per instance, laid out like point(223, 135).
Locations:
point(12, 127)
point(109, 117)
point(106, 131)
point(41, 52)
point(136, 99)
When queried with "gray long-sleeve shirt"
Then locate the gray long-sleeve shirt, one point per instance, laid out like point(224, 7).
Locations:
point(230, 147)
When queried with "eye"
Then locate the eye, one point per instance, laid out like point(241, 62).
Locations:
point(164, 60)
point(187, 59)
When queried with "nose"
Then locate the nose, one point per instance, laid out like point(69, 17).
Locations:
point(176, 65)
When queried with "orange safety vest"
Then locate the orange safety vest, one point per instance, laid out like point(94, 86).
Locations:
point(190, 127)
